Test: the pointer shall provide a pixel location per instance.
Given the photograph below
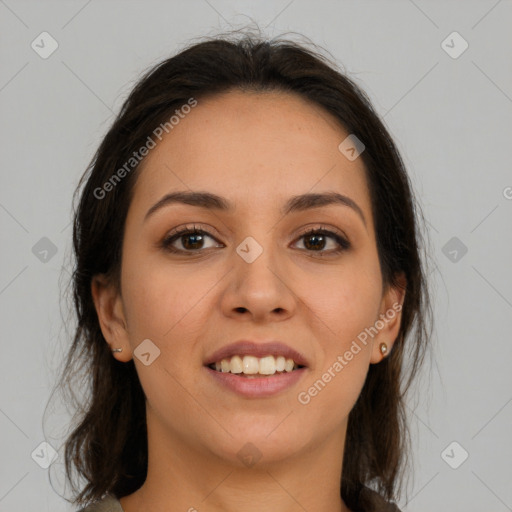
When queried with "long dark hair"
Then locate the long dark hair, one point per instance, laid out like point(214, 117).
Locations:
point(108, 446)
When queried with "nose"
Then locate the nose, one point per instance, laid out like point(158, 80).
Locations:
point(259, 291)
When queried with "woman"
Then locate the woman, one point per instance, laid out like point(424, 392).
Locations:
point(247, 275)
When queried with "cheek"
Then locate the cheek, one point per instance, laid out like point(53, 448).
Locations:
point(169, 305)
point(160, 297)
point(340, 313)
point(345, 302)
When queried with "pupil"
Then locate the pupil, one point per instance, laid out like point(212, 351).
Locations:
point(196, 237)
point(317, 244)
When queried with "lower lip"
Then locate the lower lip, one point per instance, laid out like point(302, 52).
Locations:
point(257, 387)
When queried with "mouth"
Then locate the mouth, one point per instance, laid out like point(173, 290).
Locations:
point(256, 370)
point(253, 367)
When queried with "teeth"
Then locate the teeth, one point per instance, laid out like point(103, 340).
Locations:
point(268, 365)
point(251, 365)
point(288, 367)
point(224, 366)
point(236, 364)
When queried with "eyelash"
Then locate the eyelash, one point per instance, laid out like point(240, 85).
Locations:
point(167, 242)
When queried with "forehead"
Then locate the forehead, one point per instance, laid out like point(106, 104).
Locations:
point(256, 148)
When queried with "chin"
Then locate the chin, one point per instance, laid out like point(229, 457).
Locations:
point(260, 443)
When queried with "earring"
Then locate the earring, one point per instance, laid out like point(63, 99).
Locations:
point(117, 350)
point(383, 349)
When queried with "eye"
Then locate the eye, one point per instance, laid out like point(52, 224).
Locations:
point(319, 239)
point(191, 239)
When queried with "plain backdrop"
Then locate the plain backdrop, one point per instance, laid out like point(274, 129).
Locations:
point(440, 75)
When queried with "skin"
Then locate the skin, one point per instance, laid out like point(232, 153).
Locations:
point(256, 150)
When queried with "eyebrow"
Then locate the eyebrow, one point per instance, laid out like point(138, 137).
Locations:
point(298, 203)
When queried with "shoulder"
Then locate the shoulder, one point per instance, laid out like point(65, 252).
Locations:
point(108, 503)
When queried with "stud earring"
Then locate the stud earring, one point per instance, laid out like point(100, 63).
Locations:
point(383, 349)
point(117, 350)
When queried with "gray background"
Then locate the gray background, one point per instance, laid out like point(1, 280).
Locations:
point(451, 118)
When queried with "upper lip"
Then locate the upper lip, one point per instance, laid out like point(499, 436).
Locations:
point(257, 349)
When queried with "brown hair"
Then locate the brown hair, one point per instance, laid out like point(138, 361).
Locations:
point(108, 446)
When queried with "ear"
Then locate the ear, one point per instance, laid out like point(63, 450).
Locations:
point(109, 308)
point(389, 320)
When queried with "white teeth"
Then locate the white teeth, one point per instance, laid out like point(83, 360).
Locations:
point(236, 365)
point(280, 363)
point(267, 365)
point(224, 366)
point(251, 365)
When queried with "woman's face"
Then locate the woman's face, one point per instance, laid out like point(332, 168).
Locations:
point(251, 273)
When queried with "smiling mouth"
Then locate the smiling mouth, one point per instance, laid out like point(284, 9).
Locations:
point(251, 366)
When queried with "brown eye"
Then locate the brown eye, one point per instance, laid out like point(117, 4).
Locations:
point(319, 240)
point(190, 240)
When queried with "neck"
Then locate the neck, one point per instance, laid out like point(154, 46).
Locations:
point(185, 477)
